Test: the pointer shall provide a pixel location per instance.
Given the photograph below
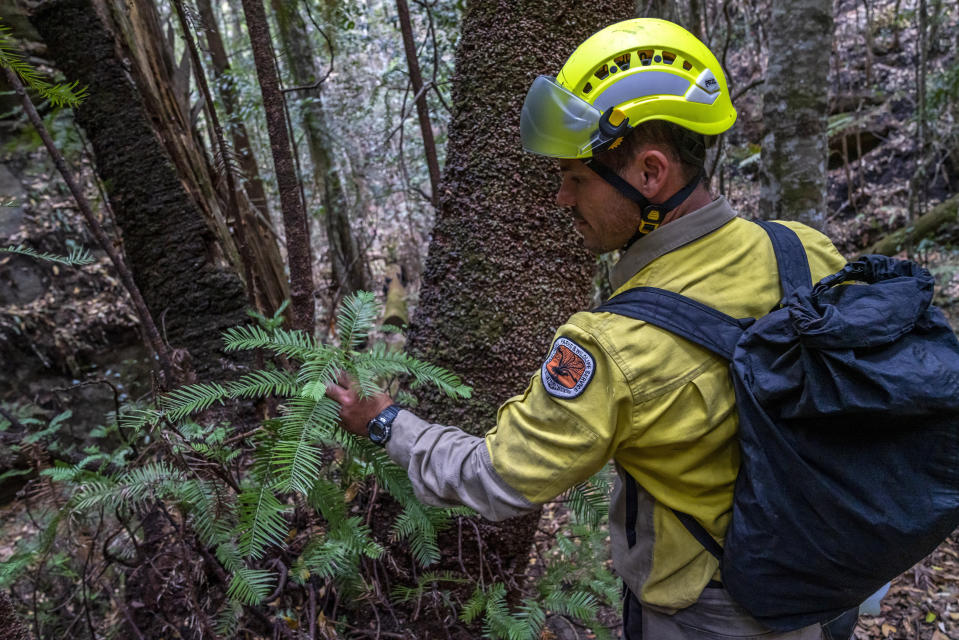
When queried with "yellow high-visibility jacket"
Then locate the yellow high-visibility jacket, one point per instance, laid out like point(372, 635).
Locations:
point(612, 387)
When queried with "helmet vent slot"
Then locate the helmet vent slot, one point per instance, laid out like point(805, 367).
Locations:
point(622, 61)
point(686, 65)
point(668, 57)
point(645, 57)
point(602, 72)
point(587, 88)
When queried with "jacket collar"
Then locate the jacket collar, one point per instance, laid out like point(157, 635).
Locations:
point(692, 226)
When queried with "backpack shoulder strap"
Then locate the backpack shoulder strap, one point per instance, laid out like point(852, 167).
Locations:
point(790, 257)
point(678, 314)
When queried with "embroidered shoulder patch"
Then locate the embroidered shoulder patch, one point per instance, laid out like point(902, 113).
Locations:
point(568, 369)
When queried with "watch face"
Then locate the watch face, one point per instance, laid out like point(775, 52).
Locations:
point(378, 431)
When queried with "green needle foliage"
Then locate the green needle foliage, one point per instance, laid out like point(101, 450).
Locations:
point(77, 258)
point(58, 94)
point(244, 496)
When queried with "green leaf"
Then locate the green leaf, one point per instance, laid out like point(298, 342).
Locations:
point(251, 586)
point(77, 258)
point(261, 521)
point(357, 315)
point(57, 94)
point(192, 398)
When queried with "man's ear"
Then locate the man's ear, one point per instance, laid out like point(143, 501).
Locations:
point(649, 171)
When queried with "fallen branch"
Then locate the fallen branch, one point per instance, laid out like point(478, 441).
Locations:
point(926, 225)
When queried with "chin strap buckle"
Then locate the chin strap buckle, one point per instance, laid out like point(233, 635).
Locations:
point(652, 217)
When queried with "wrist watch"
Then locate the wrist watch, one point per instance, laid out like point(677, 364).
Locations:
point(380, 428)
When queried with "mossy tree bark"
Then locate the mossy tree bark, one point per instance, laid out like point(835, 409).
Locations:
point(795, 111)
point(159, 182)
point(505, 267)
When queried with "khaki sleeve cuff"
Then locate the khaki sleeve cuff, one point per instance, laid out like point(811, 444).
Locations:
point(449, 467)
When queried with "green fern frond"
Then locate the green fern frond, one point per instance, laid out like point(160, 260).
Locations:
point(474, 607)
point(383, 362)
point(261, 521)
point(317, 373)
point(357, 315)
point(66, 473)
point(322, 557)
point(77, 258)
point(251, 586)
point(416, 526)
point(228, 619)
point(292, 344)
point(533, 615)
point(327, 498)
point(229, 556)
point(129, 489)
point(589, 503)
point(259, 384)
point(192, 398)
point(578, 604)
point(136, 419)
point(297, 463)
point(211, 510)
point(57, 94)
point(295, 458)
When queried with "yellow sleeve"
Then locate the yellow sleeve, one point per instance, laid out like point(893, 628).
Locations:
point(567, 424)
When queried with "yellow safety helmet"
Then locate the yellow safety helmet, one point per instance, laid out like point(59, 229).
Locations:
point(628, 73)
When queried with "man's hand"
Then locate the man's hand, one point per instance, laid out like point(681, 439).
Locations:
point(356, 412)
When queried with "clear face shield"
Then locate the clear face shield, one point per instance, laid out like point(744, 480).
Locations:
point(556, 123)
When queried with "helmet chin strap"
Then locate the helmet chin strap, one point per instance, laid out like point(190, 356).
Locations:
point(652, 214)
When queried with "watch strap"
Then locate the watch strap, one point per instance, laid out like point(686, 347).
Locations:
point(380, 428)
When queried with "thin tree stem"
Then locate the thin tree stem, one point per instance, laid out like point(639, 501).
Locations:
point(139, 305)
point(294, 211)
point(422, 110)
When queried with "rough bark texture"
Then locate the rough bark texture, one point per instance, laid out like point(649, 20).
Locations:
point(795, 111)
point(11, 628)
point(505, 267)
point(347, 257)
point(155, 172)
point(294, 209)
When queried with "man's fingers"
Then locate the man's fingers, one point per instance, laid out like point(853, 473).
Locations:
point(338, 393)
point(344, 380)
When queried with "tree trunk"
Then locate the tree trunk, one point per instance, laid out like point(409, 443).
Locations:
point(158, 179)
point(422, 110)
point(256, 213)
point(795, 111)
point(295, 222)
point(11, 627)
point(505, 267)
point(347, 255)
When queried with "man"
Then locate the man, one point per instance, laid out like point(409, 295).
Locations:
point(626, 117)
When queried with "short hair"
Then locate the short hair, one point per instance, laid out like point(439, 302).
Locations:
point(686, 146)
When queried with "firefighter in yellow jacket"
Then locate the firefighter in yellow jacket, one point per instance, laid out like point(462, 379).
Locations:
point(626, 117)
